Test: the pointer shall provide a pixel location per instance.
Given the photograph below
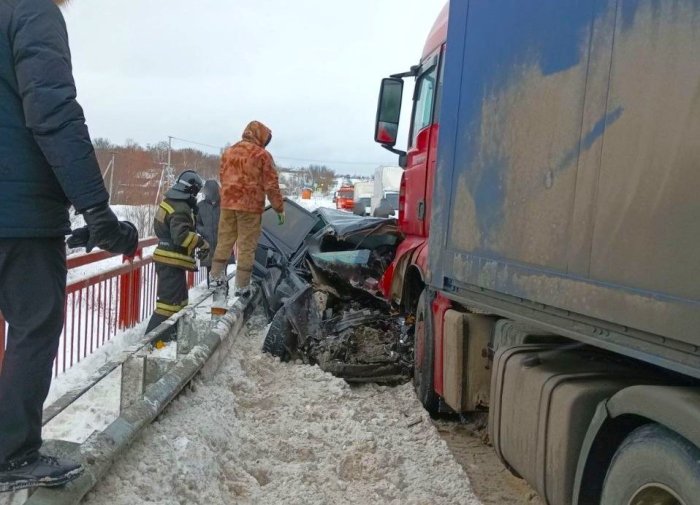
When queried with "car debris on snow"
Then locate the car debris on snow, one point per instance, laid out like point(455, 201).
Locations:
point(319, 277)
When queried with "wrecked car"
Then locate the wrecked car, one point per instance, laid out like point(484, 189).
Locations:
point(319, 276)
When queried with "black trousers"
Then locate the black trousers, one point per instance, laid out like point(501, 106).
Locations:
point(32, 299)
point(172, 295)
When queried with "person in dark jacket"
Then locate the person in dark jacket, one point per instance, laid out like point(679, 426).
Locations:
point(208, 220)
point(174, 225)
point(47, 163)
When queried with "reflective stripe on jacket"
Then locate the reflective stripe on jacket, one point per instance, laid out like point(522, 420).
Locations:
point(175, 228)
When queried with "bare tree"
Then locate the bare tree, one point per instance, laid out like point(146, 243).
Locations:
point(322, 177)
point(142, 217)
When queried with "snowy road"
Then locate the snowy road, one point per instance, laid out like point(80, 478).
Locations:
point(265, 432)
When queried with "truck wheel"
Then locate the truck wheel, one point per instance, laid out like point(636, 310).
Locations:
point(424, 352)
point(653, 466)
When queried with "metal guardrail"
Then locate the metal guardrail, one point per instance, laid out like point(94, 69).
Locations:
point(102, 304)
point(65, 401)
point(149, 384)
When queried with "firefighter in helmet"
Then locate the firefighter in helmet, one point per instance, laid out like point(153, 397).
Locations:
point(174, 225)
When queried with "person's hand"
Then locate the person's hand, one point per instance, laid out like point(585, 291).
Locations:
point(203, 249)
point(105, 231)
point(281, 217)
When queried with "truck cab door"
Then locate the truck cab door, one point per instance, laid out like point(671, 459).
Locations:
point(420, 158)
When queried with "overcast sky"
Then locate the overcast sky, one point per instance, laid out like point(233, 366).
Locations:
point(201, 69)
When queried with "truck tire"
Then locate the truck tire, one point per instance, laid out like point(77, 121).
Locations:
point(653, 465)
point(424, 352)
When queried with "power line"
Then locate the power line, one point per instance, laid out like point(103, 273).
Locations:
point(288, 158)
point(197, 143)
point(330, 162)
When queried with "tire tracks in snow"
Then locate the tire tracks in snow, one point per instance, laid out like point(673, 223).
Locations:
point(267, 432)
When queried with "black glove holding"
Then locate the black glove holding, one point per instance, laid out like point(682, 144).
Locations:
point(203, 249)
point(105, 231)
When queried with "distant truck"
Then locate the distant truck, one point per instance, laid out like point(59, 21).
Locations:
point(345, 197)
point(559, 288)
point(363, 195)
point(387, 184)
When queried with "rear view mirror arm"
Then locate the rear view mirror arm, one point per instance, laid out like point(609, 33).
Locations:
point(413, 72)
point(401, 154)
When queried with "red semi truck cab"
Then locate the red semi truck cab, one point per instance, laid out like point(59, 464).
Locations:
point(559, 294)
point(405, 278)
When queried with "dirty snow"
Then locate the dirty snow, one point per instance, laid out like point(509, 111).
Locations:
point(267, 432)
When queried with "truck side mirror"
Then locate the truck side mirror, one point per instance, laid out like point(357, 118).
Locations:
point(388, 111)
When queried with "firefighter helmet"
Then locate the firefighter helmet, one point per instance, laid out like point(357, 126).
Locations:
point(188, 184)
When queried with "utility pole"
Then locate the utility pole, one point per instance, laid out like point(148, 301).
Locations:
point(170, 149)
point(160, 184)
point(111, 178)
point(169, 173)
point(110, 166)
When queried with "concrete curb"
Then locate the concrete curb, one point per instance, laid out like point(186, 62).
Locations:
point(101, 450)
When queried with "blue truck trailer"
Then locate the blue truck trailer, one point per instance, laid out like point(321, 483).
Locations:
point(563, 288)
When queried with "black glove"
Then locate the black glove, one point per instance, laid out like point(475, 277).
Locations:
point(80, 237)
point(105, 231)
point(203, 249)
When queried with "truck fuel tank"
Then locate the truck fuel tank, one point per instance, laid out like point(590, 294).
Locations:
point(541, 409)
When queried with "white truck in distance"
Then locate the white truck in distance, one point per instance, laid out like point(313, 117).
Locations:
point(387, 181)
point(363, 194)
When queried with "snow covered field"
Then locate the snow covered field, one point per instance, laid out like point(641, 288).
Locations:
point(265, 432)
point(315, 202)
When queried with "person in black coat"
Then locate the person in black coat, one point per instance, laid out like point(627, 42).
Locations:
point(209, 211)
point(47, 163)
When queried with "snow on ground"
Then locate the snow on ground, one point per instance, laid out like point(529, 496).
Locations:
point(315, 202)
point(79, 273)
point(265, 432)
point(98, 407)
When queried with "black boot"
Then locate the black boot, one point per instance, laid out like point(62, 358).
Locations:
point(243, 293)
point(43, 471)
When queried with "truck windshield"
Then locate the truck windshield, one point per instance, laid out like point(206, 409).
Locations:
point(345, 194)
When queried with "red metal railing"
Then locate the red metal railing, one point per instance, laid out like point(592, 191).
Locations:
point(103, 303)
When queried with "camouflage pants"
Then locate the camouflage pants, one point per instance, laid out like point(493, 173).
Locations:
point(243, 229)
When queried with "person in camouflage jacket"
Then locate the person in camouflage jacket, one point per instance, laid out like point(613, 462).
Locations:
point(247, 174)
